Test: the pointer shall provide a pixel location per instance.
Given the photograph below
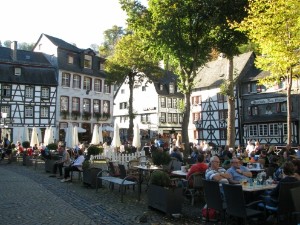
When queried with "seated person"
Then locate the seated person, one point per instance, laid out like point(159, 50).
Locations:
point(199, 167)
point(288, 176)
point(216, 173)
point(75, 166)
point(238, 172)
point(63, 162)
point(296, 163)
point(176, 154)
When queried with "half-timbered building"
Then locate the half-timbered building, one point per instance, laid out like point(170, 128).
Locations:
point(83, 96)
point(28, 85)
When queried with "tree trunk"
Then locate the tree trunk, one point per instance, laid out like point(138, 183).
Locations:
point(289, 106)
point(231, 106)
point(185, 125)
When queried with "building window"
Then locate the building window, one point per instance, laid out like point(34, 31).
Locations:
point(162, 117)
point(107, 89)
point(97, 106)
point(70, 59)
point(175, 118)
point(161, 87)
point(196, 116)
point(122, 91)
point(75, 104)
point(223, 134)
point(223, 114)
point(285, 130)
point(169, 103)
point(221, 98)
point(180, 118)
point(273, 129)
point(64, 103)
point(6, 91)
point(98, 85)
point(65, 82)
point(163, 102)
point(174, 103)
point(143, 88)
point(44, 112)
point(143, 118)
point(5, 109)
point(28, 111)
point(86, 105)
point(87, 82)
point(252, 88)
point(196, 100)
point(29, 92)
point(171, 88)
point(253, 110)
point(76, 81)
point(87, 61)
point(282, 107)
point(252, 130)
point(45, 93)
point(106, 106)
point(170, 117)
point(123, 105)
point(101, 66)
point(17, 71)
point(263, 129)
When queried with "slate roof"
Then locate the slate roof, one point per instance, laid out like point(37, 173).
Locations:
point(214, 72)
point(35, 69)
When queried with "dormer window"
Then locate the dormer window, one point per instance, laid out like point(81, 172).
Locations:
point(87, 61)
point(70, 59)
point(101, 66)
point(171, 88)
point(161, 87)
point(17, 71)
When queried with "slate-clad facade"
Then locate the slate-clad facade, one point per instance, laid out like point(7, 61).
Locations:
point(28, 85)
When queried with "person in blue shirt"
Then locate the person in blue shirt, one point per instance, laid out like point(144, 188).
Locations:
point(238, 172)
point(176, 154)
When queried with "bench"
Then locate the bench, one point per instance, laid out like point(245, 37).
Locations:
point(123, 183)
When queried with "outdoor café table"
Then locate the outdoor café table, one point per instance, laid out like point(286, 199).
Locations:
point(253, 188)
point(179, 173)
point(141, 169)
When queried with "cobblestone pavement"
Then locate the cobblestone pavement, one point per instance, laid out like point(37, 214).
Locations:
point(31, 197)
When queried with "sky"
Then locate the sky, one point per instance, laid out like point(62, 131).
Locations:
point(74, 21)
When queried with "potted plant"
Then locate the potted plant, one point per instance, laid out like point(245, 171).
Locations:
point(75, 114)
point(161, 158)
point(52, 146)
point(64, 113)
point(14, 153)
point(26, 145)
point(89, 171)
point(162, 195)
point(86, 115)
point(97, 115)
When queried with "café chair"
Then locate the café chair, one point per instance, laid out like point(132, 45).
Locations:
point(236, 206)
point(194, 186)
point(213, 198)
point(284, 203)
point(125, 175)
point(295, 195)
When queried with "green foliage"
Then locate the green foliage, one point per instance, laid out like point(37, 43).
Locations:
point(52, 146)
point(161, 158)
point(94, 150)
point(160, 178)
point(86, 164)
point(26, 144)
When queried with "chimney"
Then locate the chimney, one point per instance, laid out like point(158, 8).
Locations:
point(13, 47)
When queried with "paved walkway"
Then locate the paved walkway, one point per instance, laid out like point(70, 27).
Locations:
point(31, 197)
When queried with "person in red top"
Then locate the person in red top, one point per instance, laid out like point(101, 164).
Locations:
point(199, 167)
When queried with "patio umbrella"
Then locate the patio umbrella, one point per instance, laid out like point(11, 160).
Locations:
point(116, 142)
point(69, 136)
point(136, 142)
point(108, 128)
point(95, 137)
point(51, 135)
point(34, 137)
point(75, 137)
point(100, 134)
point(46, 136)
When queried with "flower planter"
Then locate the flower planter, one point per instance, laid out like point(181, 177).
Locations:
point(167, 200)
point(90, 176)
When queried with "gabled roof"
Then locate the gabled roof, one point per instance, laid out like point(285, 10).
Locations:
point(213, 73)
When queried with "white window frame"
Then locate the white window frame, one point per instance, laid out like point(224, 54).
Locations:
point(171, 88)
point(263, 129)
point(45, 93)
point(98, 85)
point(64, 103)
point(87, 81)
point(29, 92)
point(252, 130)
point(273, 129)
point(70, 59)
point(6, 91)
point(87, 61)
point(65, 80)
point(76, 81)
point(44, 111)
point(28, 111)
point(75, 104)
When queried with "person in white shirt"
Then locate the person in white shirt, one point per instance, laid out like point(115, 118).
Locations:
point(75, 166)
point(249, 148)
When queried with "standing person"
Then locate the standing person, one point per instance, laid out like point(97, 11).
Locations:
point(64, 162)
point(7, 149)
point(249, 148)
point(75, 166)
